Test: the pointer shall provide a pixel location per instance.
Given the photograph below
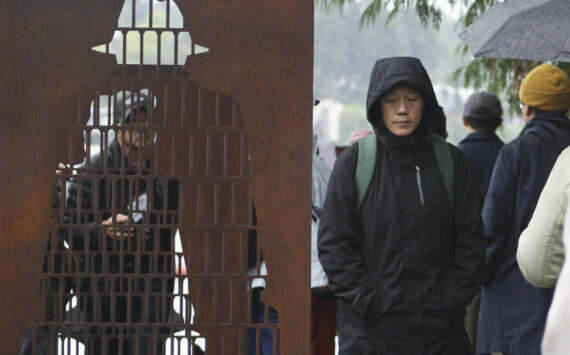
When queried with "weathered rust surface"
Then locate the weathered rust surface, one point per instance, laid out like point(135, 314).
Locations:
point(41, 69)
point(256, 81)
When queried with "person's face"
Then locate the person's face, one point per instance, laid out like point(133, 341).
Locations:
point(137, 134)
point(402, 108)
point(527, 112)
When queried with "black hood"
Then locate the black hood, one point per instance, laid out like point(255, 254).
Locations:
point(386, 73)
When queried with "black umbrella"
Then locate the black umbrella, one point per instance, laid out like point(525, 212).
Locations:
point(522, 29)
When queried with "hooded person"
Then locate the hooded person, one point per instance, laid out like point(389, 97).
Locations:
point(513, 312)
point(405, 263)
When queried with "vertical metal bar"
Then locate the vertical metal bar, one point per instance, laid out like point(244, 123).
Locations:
point(95, 109)
point(257, 340)
point(275, 338)
point(197, 301)
point(223, 338)
point(159, 34)
point(244, 157)
point(182, 104)
point(168, 13)
point(175, 54)
point(233, 202)
point(208, 153)
point(150, 13)
point(124, 59)
point(133, 13)
point(216, 203)
point(225, 153)
point(217, 110)
point(190, 153)
point(174, 157)
point(141, 52)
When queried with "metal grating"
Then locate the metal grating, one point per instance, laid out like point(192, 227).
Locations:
point(192, 184)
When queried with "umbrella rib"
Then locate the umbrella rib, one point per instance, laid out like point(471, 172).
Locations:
point(533, 29)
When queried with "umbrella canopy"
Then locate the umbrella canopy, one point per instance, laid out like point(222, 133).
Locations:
point(522, 29)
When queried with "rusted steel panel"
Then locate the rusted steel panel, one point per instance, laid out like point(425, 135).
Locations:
point(232, 124)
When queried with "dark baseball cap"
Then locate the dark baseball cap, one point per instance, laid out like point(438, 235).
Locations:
point(127, 103)
point(483, 105)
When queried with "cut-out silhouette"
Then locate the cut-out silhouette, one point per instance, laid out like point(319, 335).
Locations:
point(160, 24)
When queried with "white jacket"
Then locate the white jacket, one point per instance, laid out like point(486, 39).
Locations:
point(540, 253)
point(556, 339)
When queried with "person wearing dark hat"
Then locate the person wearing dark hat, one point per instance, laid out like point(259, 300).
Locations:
point(116, 236)
point(406, 258)
point(513, 312)
point(481, 117)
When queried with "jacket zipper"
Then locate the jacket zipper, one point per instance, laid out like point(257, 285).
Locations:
point(419, 181)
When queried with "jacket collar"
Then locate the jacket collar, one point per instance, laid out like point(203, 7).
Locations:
point(481, 136)
point(547, 118)
point(551, 126)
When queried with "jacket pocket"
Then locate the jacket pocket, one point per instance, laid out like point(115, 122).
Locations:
point(453, 298)
point(377, 306)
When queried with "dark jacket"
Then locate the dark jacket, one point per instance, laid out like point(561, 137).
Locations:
point(403, 271)
point(513, 312)
point(106, 186)
point(480, 150)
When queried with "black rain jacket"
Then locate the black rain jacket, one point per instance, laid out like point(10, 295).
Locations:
point(481, 150)
point(405, 267)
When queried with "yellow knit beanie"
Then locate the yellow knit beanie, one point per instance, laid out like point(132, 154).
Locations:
point(547, 88)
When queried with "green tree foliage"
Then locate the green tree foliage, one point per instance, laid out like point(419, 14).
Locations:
point(428, 10)
point(497, 75)
point(344, 55)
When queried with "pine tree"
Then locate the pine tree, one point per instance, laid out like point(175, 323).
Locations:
point(496, 75)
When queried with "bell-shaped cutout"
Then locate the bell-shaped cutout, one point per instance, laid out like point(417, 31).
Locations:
point(148, 33)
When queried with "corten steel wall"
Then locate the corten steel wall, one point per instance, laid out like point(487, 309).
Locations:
point(233, 128)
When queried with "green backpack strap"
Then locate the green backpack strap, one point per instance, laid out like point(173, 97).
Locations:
point(367, 148)
point(445, 164)
point(365, 166)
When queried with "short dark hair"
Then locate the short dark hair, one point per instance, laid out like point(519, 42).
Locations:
point(486, 124)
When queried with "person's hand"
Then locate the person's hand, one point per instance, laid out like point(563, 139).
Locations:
point(114, 232)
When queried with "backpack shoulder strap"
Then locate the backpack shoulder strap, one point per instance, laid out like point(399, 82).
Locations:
point(445, 163)
point(365, 167)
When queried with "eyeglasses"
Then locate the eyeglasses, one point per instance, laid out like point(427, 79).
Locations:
point(521, 105)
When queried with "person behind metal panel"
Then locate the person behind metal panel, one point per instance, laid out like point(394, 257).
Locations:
point(126, 222)
point(513, 312)
point(404, 264)
point(323, 302)
point(353, 138)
